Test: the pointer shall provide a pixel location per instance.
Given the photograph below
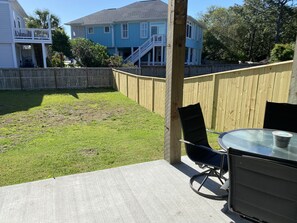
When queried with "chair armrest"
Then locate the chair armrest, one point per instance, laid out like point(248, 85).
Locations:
point(223, 152)
point(212, 131)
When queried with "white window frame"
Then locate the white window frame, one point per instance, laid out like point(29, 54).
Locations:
point(105, 29)
point(19, 25)
point(89, 30)
point(122, 31)
point(189, 30)
point(143, 30)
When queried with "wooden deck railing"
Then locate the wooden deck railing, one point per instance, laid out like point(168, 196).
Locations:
point(27, 35)
point(232, 99)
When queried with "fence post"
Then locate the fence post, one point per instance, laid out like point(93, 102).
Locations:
point(213, 110)
point(21, 82)
point(55, 76)
point(153, 94)
point(87, 74)
point(293, 86)
point(119, 81)
point(137, 89)
point(127, 86)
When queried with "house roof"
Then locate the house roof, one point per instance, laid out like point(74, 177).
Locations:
point(142, 10)
point(16, 5)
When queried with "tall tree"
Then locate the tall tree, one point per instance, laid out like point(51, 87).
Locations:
point(250, 31)
point(221, 37)
point(281, 11)
point(41, 19)
point(61, 43)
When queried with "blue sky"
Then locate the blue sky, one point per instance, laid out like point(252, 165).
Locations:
point(68, 10)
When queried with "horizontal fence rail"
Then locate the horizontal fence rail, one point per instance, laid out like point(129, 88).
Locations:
point(229, 100)
point(57, 78)
point(190, 71)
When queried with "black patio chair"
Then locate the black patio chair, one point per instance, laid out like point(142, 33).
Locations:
point(262, 189)
point(199, 150)
point(281, 116)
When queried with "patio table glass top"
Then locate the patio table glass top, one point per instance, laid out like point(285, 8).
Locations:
point(259, 141)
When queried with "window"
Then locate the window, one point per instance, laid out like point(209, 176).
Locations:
point(189, 30)
point(124, 29)
point(143, 30)
point(107, 29)
point(90, 30)
point(19, 23)
point(154, 30)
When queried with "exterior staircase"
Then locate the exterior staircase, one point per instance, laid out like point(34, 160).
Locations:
point(153, 41)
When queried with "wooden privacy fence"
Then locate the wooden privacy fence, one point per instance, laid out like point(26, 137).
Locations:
point(57, 78)
point(190, 71)
point(229, 100)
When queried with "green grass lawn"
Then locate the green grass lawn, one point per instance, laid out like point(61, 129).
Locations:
point(46, 134)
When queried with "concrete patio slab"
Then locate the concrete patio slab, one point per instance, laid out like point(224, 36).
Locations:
point(147, 192)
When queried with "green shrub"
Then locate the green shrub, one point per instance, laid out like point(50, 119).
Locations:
point(57, 60)
point(115, 61)
point(88, 53)
point(282, 52)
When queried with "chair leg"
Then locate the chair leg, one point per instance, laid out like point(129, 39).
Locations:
point(208, 173)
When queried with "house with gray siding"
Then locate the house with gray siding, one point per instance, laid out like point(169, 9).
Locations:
point(137, 32)
point(20, 46)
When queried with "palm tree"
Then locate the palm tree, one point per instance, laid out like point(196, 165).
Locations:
point(41, 20)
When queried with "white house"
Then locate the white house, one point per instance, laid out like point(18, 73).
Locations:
point(20, 46)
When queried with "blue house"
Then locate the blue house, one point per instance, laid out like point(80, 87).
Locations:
point(137, 32)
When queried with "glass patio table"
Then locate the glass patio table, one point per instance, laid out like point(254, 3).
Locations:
point(258, 141)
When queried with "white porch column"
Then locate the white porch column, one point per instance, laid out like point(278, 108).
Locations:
point(44, 55)
point(149, 59)
point(139, 57)
point(162, 55)
point(15, 63)
point(153, 56)
point(189, 56)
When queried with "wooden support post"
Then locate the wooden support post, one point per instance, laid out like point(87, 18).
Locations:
point(176, 38)
point(293, 87)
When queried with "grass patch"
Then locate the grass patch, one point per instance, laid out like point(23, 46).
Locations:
point(46, 134)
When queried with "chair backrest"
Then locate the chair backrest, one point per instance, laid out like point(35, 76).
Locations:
point(281, 116)
point(193, 125)
point(261, 188)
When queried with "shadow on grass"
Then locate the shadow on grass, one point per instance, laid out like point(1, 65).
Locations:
point(14, 101)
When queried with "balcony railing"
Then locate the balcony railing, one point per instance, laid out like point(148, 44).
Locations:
point(28, 35)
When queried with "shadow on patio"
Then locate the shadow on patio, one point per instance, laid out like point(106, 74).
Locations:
point(147, 192)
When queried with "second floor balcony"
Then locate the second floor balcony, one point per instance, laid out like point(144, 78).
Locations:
point(26, 35)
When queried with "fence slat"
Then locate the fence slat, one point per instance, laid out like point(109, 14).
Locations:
point(229, 100)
